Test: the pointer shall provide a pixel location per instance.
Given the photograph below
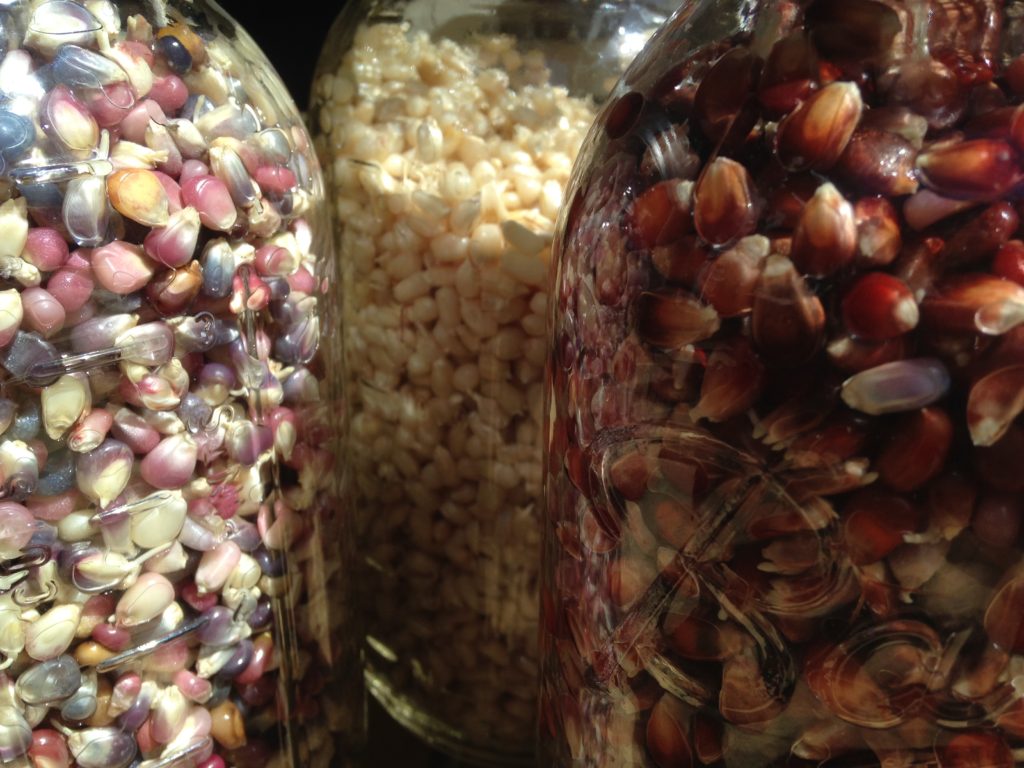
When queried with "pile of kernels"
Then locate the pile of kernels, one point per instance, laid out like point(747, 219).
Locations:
point(448, 164)
point(163, 467)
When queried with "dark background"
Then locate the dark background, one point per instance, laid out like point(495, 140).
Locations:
point(291, 37)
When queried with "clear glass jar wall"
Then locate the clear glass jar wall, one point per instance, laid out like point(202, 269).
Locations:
point(784, 438)
point(169, 553)
point(448, 132)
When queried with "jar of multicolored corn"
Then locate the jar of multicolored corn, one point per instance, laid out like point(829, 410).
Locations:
point(785, 452)
point(447, 131)
point(170, 589)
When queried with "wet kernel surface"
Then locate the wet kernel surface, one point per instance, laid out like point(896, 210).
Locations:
point(784, 464)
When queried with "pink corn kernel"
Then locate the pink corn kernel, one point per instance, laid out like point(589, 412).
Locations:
point(110, 104)
point(170, 92)
point(112, 637)
point(134, 124)
point(275, 180)
point(144, 736)
point(210, 196)
point(193, 687)
point(263, 652)
point(49, 749)
point(190, 594)
point(38, 447)
point(45, 249)
point(302, 280)
point(96, 611)
point(168, 659)
point(72, 288)
point(52, 509)
point(121, 267)
point(43, 313)
point(193, 168)
point(90, 431)
point(273, 260)
point(173, 190)
point(136, 50)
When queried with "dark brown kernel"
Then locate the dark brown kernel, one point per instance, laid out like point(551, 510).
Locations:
point(623, 114)
point(853, 29)
point(878, 163)
point(790, 74)
point(723, 107)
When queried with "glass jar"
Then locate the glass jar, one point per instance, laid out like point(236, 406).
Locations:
point(170, 581)
point(783, 456)
point(447, 133)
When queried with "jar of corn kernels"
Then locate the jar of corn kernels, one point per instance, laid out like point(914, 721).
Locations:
point(785, 452)
point(447, 131)
point(170, 582)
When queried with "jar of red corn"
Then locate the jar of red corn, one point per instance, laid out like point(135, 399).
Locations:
point(169, 581)
point(785, 457)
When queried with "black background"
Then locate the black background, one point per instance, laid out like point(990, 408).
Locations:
point(291, 34)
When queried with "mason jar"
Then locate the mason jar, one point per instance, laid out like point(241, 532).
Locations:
point(448, 132)
point(783, 490)
point(171, 591)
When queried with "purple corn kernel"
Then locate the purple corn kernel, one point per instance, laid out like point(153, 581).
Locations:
point(238, 662)
point(245, 441)
point(271, 563)
point(246, 535)
point(100, 332)
point(262, 615)
point(194, 412)
point(301, 387)
point(124, 693)
point(134, 431)
point(25, 352)
point(53, 508)
point(219, 627)
point(168, 659)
